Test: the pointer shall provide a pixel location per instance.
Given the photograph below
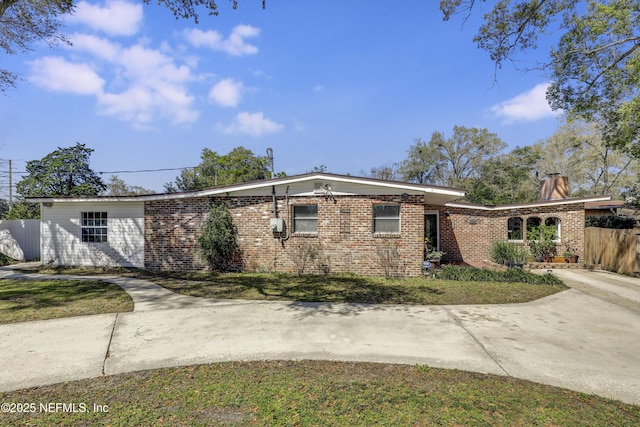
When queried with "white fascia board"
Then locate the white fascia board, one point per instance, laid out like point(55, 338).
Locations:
point(278, 182)
point(538, 204)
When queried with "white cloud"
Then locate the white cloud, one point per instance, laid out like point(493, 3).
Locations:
point(116, 18)
point(145, 84)
point(57, 74)
point(233, 45)
point(254, 124)
point(97, 46)
point(528, 106)
point(318, 88)
point(155, 87)
point(226, 92)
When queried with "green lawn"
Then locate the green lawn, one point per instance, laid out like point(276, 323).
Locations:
point(292, 393)
point(351, 289)
point(23, 300)
point(317, 393)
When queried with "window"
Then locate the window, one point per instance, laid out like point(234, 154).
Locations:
point(532, 223)
point(554, 222)
point(94, 226)
point(514, 228)
point(386, 218)
point(305, 218)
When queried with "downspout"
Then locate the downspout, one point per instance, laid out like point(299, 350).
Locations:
point(275, 204)
point(286, 225)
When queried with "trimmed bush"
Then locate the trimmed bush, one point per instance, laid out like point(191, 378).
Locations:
point(218, 244)
point(471, 274)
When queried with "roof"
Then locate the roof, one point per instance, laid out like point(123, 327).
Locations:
point(539, 203)
point(607, 204)
point(297, 185)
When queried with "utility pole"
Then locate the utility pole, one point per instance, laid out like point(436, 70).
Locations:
point(10, 186)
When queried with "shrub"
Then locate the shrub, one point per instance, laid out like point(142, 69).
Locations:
point(6, 260)
point(471, 274)
point(508, 253)
point(218, 244)
point(610, 221)
point(541, 242)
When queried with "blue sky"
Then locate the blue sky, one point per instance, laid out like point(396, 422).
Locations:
point(341, 84)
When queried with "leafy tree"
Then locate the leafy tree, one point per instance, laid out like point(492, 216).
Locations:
point(4, 207)
point(419, 165)
point(25, 22)
point(595, 66)
point(117, 187)
point(63, 172)
point(507, 178)
point(22, 210)
point(578, 151)
point(218, 244)
point(239, 165)
point(187, 9)
point(454, 161)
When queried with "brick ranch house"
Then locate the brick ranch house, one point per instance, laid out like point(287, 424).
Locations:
point(322, 223)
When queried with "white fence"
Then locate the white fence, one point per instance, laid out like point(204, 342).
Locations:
point(20, 238)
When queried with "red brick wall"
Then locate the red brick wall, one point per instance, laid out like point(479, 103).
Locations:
point(344, 242)
point(467, 234)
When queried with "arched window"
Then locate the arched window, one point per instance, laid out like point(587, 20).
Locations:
point(514, 228)
point(554, 222)
point(532, 223)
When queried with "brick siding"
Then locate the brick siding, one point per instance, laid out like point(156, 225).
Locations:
point(344, 241)
point(467, 234)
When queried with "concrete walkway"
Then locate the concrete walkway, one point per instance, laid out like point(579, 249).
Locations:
point(574, 339)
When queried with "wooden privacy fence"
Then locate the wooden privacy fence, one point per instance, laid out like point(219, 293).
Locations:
point(615, 250)
point(20, 238)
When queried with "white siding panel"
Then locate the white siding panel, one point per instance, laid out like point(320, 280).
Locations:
point(20, 238)
point(61, 242)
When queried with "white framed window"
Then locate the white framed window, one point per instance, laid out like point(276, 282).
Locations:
point(386, 219)
point(93, 226)
point(305, 218)
point(514, 228)
point(554, 222)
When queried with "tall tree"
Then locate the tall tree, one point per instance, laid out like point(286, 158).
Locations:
point(595, 66)
point(388, 172)
point(239, 165)
point(578, 151)
point(419, 165)
point(507, 178)
point(63, 172)
point(454, 161)
point(25, 22)
point(117, 187)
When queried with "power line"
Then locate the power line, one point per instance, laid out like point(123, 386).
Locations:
point(149, 170)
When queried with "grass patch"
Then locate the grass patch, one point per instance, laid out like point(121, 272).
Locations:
point(23, 300)
point(347, 288)
point(317, 393)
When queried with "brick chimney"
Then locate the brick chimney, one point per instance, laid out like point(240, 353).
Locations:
point(554, 187)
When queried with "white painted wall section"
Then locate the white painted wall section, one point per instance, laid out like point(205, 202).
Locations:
point(61, 235)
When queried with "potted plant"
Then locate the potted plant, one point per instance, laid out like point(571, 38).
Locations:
point(434, 257)
point(519, 256)
point(569, 253)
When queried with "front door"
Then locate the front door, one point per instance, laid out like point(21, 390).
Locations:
point(431, 232)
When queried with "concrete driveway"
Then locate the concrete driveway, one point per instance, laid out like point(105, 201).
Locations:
point(581, 339)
